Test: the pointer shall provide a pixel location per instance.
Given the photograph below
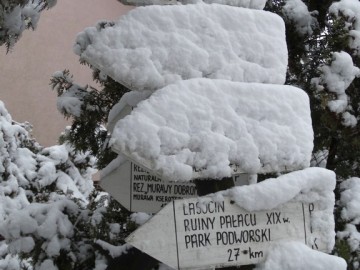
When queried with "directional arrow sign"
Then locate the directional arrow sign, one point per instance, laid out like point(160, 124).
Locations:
point(138, 191)
point(190, 234)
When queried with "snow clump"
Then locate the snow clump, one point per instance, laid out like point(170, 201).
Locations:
point(153, 46)
point(297, 12)
point(297, 256)
point(337, 77)
point(254, 4)
point(350, 9)
point(209, 124)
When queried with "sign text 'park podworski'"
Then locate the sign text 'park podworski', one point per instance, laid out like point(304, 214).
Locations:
point(139, 191)
point(189, 233)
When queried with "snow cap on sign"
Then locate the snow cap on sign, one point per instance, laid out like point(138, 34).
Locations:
point(210, 124)
point(255, 4)
point(124, 106)
point(153, 46)
point(311, 185)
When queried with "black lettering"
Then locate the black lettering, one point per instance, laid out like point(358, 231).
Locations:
point(143, 197)
point(184, 210)
point(222, 221)
point(187, 240)
point(255, 254)
point(207, 239)
point(245, 236)
point(198, 208)
point(251, 234)
point(273, 218)
point(316, 246)
point(286, 220)
point(311, 207)
point(218, 237)
point(230, 252)
point(197, 240)
point(221, 207)
point(265, 234)
point(194, 241)
point(277, 214)
point(269, 218)
point(257, 235)
point(211, 210)
point(191, 208)
point(236, 252)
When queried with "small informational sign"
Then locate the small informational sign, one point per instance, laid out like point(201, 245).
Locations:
point(190, 234)
point(139, 191)
point(196, 173)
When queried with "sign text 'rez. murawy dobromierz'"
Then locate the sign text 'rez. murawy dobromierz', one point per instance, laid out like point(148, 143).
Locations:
point(189, 233)
point(139, 191)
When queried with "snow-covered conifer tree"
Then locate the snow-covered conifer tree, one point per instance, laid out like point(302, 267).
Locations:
point(51, 216)
point(18, 15)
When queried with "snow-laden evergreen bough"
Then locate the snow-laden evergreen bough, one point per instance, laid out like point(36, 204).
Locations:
point(49, 213)
point(350, 219)
point(18, 15)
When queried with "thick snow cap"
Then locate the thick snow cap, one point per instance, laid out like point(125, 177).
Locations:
point(209, 124)
point(255, 4)
point(311, 185)
point(154, 46)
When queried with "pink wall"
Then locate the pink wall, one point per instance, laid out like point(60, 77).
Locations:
point(26, 71)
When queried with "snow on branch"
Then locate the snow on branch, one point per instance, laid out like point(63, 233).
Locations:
point(350, 10)
point(18, 15)
point(209, 124)
point(153, 46)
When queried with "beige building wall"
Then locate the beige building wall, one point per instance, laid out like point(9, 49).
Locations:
point(25, 72)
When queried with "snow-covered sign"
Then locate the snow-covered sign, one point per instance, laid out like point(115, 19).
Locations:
point(238, 226)
point(124, 107)
point(255, 4)
point(188, 234)
point(203, 128)
point(138, 191)
point(154, 46)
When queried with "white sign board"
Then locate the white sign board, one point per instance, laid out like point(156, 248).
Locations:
point(196, 174)
point(187, 234)
point(138, 191)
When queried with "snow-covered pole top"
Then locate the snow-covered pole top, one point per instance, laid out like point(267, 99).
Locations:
point(153, 46)
point(207, 125)
point(254, 4)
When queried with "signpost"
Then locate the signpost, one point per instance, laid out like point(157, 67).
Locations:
point(138, 191)
point(189, 234)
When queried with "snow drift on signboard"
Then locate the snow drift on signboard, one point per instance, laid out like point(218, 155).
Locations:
point(153, 46)
point(209, 124)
